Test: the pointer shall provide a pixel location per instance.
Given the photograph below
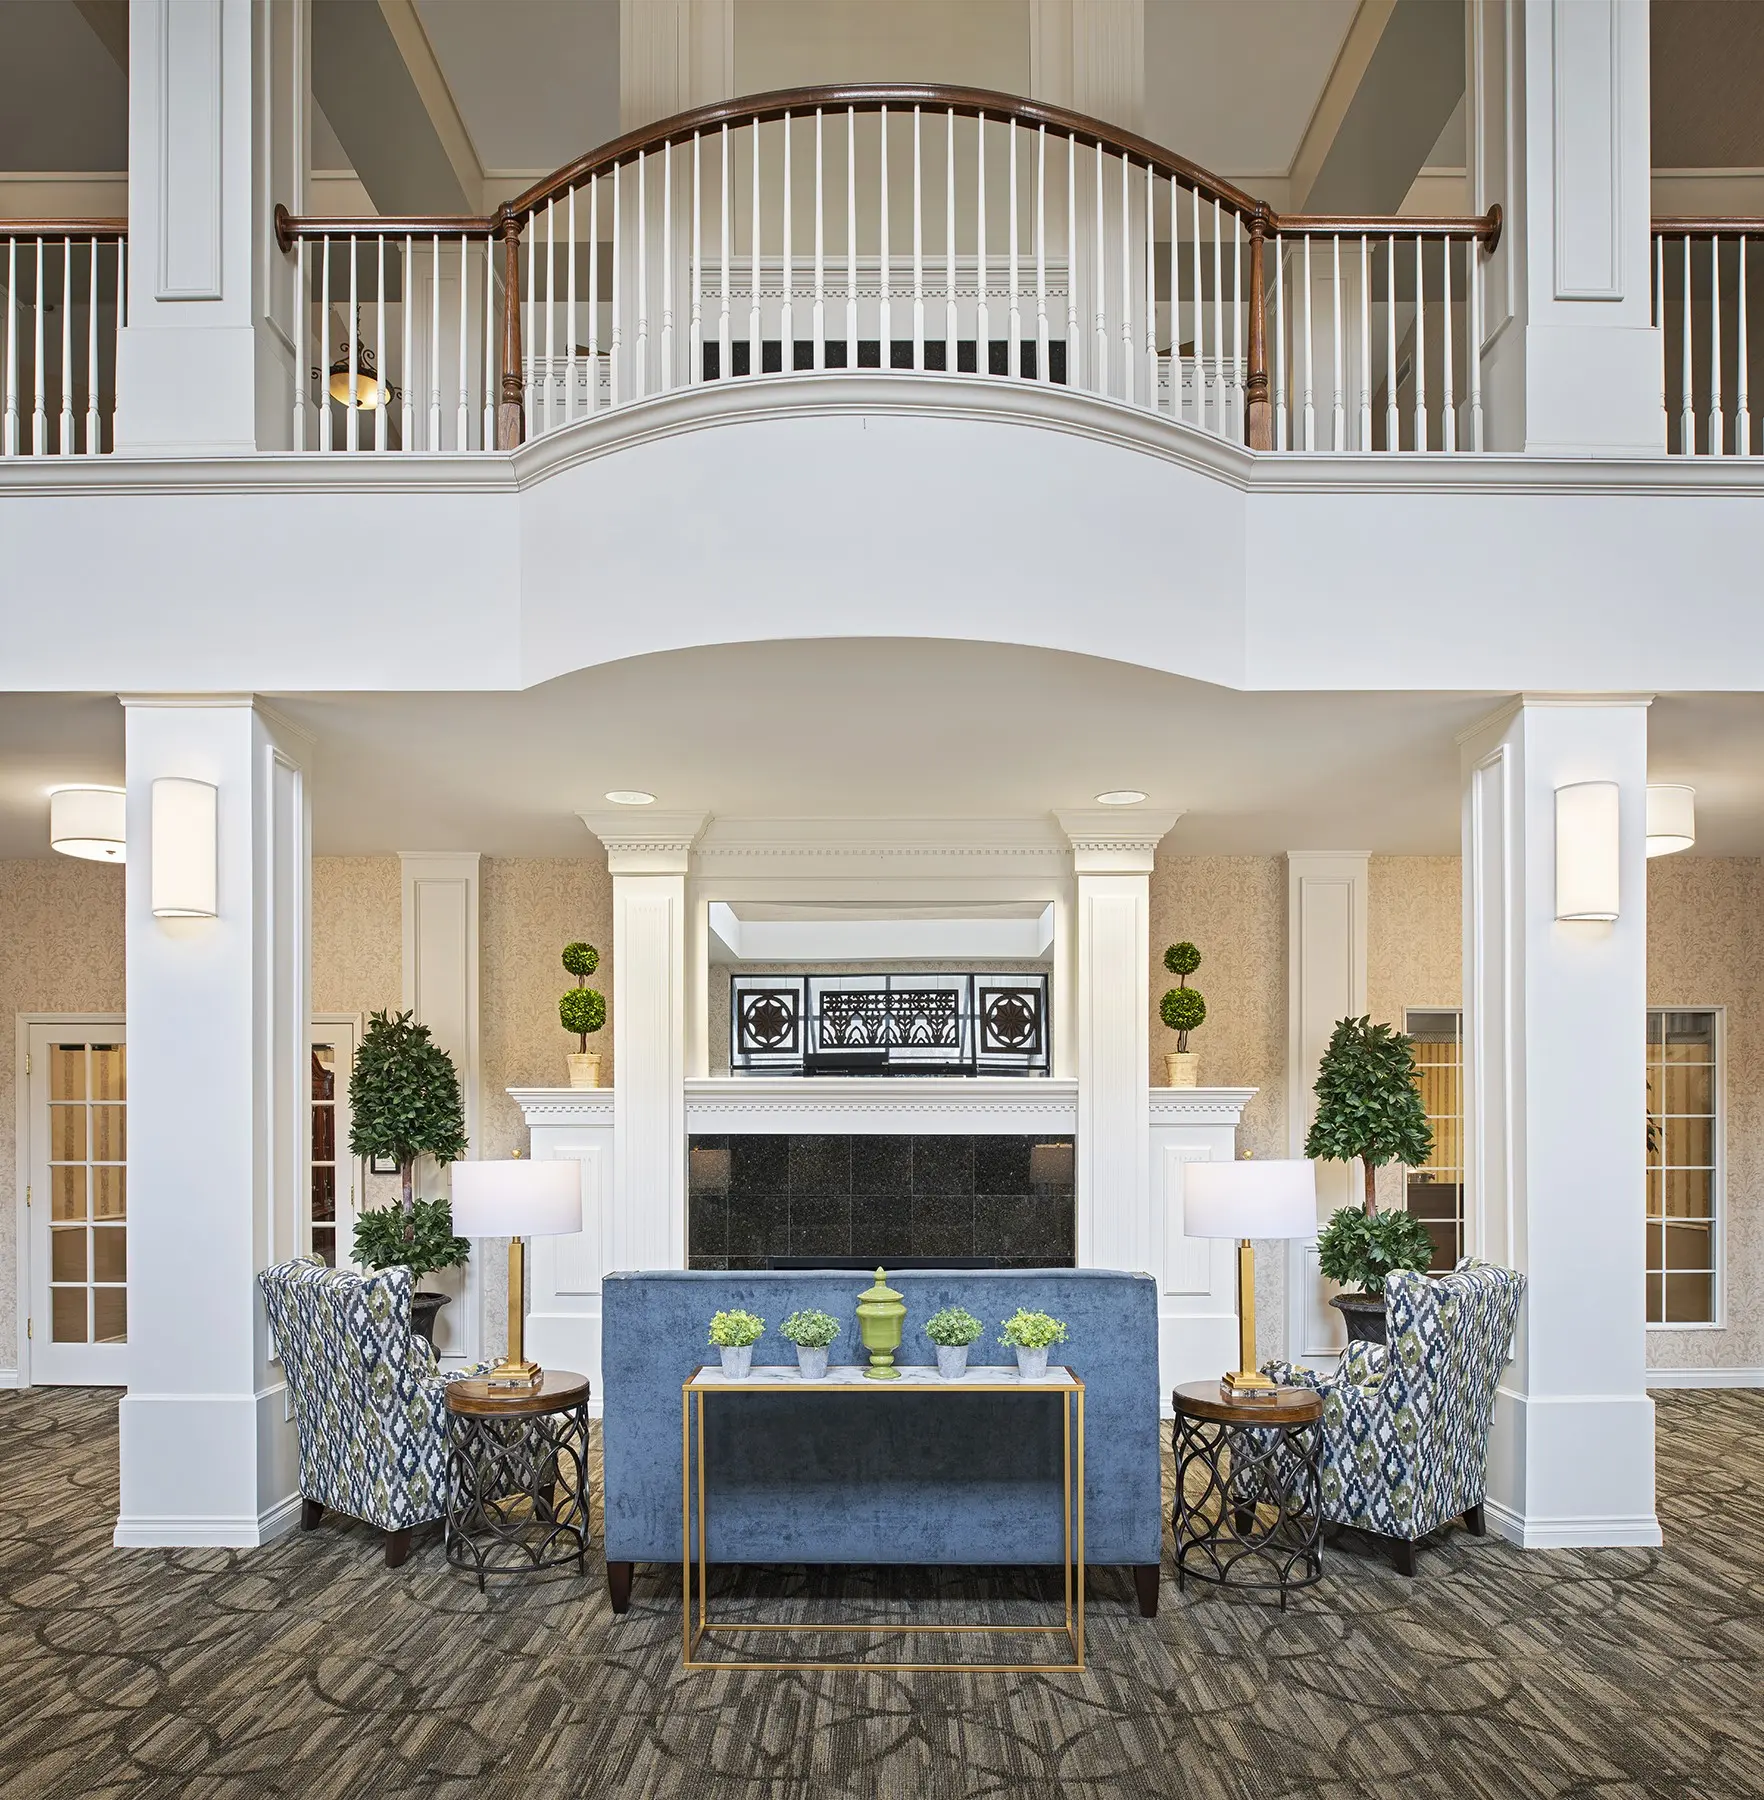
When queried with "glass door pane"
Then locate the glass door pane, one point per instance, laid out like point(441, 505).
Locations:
point(84, 1176)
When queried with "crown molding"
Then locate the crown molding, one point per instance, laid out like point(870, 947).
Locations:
point(885, 1104)
point(1199, 1106)
point(1115, 840)
point(564, 1106)
point(643, 842)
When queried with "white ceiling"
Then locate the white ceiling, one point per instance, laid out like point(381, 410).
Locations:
point(887, 729)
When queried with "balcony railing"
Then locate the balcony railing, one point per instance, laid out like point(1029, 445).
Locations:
point(924, 230)
point(65, 282)
point(1703, 297)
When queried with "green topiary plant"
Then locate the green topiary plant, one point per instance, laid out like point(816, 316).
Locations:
point(1182, 1008)
point(1031, 1331)
point(582, 1009)
point(423, 1242)
point(1368, 1104)
point(404, 1101)
point(810, 1330)
point(731, 1330)
point(1358, 1249)
point(953, 1327)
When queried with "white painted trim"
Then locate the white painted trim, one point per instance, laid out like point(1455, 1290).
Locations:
point(1642, 1531)
point(1705, 1378)
point(1199, 1105)
point(151, 1531)
point(190, 81)
point(10, 1378)
point(983, 1104)
point(564, 1106)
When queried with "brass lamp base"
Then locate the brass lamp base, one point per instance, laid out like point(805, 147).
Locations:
point(515, 1374)
point(1246, 1381)
point(515, 1370)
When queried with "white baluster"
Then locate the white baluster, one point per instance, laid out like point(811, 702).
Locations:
point(569, 313)
point(487, 428)
point(1365, 443)
point(1128, 356)
point(615, 348)
point(851, 314)
point(669, 376)
point(820, 316)
point(9, 440)
point(1338, 401)
point(951, 325)
point(1473, 340)
point(1196, 355)
point(1448, 422)
point(1393, 426)
point(918, 246)
point(1071, 260)
point(725, 336)
point(1420, 350)
point(695, 349)
point(886, 276)
point(1151, 292)
point(1310, 366)
point(1717, 443)
point(1742, 422)
point(407, 411)
point(382, 398)
point(324, 360)
point(1281, 442)
point(755, 325)
point(1014, 329)
point(983, 315)
point(640, 350)
point(93, 444)
point(1175, 305)
point(1100, 321)
point(39, 414)
point(352, 414)
point(1218, 318)
point(529, 342)
point(64, 445)
point(302, 318)
point(435, 335)
point(593, 293)
point(463, 424)
point(1660, 326)
point(787, 325)
point(550, 305)
point(1687, 420)
point(122, 309)
point(1238, 419)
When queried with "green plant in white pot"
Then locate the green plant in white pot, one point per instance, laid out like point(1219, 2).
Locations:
point(952, 1331)
point(1032, 1335)
point(812, 1333)
point(735, 1333)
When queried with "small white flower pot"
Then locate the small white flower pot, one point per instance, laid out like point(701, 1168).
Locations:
point(737, 1360)
point(1182, 1067)
point(811, 1361)
point(952, 1360)
point(1032, 1364)
point(584, 1068)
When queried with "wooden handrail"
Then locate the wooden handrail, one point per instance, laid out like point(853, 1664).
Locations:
point(1713, 226)
point(1484, 228)
point(289, 228)
point(64, 228)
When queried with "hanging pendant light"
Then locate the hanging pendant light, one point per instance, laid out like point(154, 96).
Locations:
point(1672, 817)
point(355, 381)
point(87, 822)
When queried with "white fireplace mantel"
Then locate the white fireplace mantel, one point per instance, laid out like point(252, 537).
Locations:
point(952, 1106)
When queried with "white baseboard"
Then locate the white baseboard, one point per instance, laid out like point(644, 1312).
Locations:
point(165, 1533)
point(1640, 1531)
point(10, 1378)
point(1706, 1378)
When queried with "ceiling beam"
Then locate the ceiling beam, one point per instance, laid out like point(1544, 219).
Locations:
point(1351, 63)
point(109, 22)
point(437, 97)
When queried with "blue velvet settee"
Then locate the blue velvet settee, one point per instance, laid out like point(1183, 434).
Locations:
point(972, 1479)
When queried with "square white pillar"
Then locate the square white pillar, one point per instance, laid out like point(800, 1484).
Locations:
point(649, 856)
point(1554, 1027)
point(218, 1135)
point(1112, 852)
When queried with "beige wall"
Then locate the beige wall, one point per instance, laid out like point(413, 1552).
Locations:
point(61, 951)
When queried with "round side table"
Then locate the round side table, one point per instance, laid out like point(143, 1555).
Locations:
point(517, 1475)
point(1255, 1518)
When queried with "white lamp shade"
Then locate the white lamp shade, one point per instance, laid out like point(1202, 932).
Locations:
point(1587, 851)
point(1672, 818)
point(184, 849)
point(1275, 1199)
point(517, 1198)
point(88, 822)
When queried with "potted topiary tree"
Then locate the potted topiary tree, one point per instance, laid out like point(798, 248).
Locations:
point(1369, 1107)
point(1183, 1010)
point(953, 1330)
point(1032, 1335)
point(583, 1011)
point(812, 1332)
point(404, 1102)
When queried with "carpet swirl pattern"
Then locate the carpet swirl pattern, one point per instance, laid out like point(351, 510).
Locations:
point(307, 1669)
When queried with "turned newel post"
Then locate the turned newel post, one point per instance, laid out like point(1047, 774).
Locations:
point(511, 413)
point(1258, 412)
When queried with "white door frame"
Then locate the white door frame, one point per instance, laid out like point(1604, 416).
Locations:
point(24, 1256)
point(332, 1028)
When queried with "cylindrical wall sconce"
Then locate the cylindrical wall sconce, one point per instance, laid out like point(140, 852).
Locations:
point(1587, 851)
point(184, 850)
point(1672, 818)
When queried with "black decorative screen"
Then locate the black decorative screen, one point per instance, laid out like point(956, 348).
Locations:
point(889, 1024)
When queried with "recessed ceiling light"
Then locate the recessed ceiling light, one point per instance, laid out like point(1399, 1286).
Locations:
point(1120, 797)
point(630, 797)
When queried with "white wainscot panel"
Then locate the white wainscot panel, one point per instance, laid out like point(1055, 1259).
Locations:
point(1197, 1277)
point(564, 1273)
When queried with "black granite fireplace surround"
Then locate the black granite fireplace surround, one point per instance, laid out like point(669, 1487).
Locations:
point(756, 1199)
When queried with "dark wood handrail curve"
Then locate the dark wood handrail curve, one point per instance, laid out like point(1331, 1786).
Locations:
point(64, 228)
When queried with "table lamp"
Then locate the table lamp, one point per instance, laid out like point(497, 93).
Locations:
point(1246, 1200)
point(517, 1199)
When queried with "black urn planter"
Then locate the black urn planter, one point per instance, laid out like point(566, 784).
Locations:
point(1364, 1314)
point(424, 1307)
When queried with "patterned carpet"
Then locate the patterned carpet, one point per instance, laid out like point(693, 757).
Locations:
point(306, 1669)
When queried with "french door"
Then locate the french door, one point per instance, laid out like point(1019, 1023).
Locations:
point(76, 1198)
point(328, 1229)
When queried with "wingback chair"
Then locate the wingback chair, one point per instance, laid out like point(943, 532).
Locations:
point(1405, 1428)
point(369, 1402)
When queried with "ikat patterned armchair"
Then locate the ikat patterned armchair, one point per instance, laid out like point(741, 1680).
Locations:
point(1405, 1428)
point(369, 1402)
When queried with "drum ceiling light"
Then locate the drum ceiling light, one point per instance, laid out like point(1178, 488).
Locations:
point(1672, 818)
point(88, 822)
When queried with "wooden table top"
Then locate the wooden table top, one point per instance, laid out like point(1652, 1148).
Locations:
point(1280, 1406)
point(557, 1389)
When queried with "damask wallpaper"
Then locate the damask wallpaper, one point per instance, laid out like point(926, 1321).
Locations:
point(61, 951)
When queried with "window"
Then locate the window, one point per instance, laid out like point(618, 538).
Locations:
point(1684, 1139)
point(330, 1216)
point(1436, 1190)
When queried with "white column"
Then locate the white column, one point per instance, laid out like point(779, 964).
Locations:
point(673, 54)
point(1090, 54)
point(649, 856)
point(1325, 981)
point(1555, 1087)
point(218, 132)
point(1112, 853)
point(441, 924)
point(1559, 136)
point(218, 1146)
